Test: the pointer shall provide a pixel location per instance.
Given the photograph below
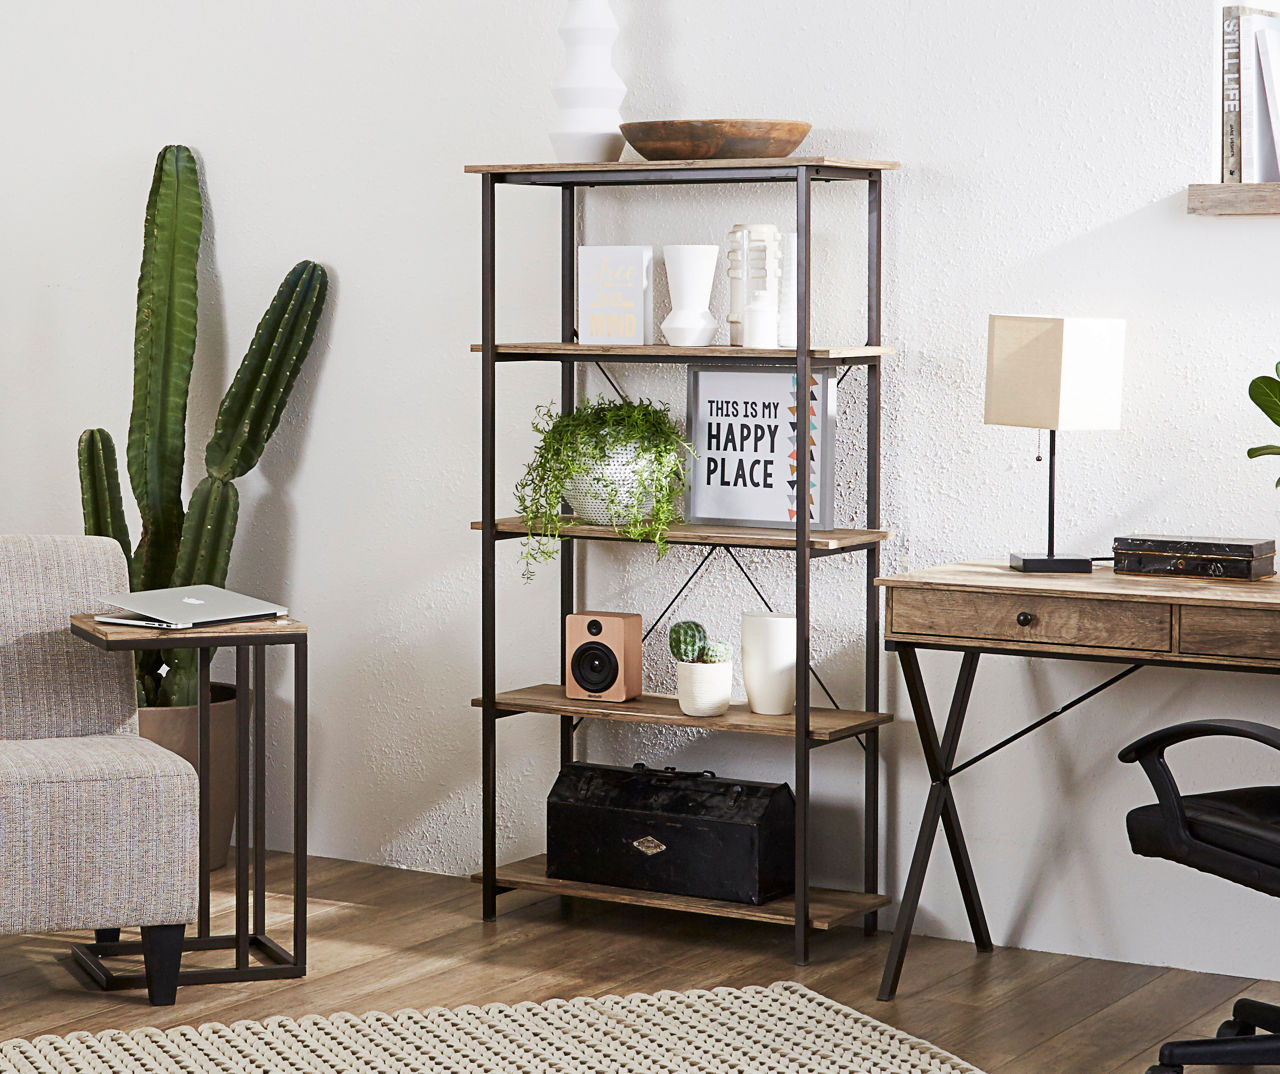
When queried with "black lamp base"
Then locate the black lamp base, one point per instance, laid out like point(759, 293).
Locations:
point(1041, 563)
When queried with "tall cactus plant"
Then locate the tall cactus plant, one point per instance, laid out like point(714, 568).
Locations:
point(189, 547)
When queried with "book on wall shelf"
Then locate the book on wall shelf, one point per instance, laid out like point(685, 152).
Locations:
point(1250, 95)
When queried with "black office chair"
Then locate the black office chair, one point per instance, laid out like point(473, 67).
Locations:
point(1233, 834)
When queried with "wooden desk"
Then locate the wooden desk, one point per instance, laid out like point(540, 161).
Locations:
point(257, 956)
point(976, 608)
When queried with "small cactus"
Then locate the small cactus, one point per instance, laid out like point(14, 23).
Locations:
point(717, 652)
point(688, 642)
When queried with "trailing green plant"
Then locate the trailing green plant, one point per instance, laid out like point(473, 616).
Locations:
point(689, 645)
point(1265, 393)
point(189, 547)
point(577, 444)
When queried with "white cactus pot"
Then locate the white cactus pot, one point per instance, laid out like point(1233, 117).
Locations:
point(703, 689)
point(588, 494)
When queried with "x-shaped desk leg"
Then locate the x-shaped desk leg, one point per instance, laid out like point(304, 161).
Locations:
point(939, 807)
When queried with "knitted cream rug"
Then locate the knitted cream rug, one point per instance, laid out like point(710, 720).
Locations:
point(781, 1029)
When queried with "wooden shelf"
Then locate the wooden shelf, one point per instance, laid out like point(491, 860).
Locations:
point(625, 166)
point(1233, 199)
point(827, 908)
point(825, 725)
point(705, 534)
point(659, 355)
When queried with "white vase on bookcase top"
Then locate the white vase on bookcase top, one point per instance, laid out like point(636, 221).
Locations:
point(691, 270)
point(588, 90)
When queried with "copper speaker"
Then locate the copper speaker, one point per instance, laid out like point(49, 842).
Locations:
point(602, 656)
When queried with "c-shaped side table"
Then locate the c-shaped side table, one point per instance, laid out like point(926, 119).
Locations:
point(977, 608)
point(273, 962)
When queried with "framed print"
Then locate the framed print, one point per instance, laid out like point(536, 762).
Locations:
point(615, 295)
point(743, 425)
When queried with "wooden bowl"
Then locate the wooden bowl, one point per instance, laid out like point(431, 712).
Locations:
point(714, 139)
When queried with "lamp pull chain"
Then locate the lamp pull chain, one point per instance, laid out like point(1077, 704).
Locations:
point(1039, 453)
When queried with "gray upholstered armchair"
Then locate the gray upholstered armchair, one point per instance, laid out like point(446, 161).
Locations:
point(99, 828)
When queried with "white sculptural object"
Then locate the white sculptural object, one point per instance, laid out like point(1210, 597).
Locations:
point(691, 271)
point(588, 90)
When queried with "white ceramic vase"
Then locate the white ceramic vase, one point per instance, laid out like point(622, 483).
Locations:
point(769, 662)
point(691, 271)
point(588, 494)
point(703, 689)
point(755, 266)
point(588, 90)
point(787, 293)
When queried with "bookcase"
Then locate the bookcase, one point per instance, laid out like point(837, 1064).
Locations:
point(810, 727)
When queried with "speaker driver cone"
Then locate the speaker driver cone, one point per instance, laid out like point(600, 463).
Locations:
point(594, 667)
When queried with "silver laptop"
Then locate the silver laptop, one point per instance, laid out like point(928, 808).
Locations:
point(188, 606)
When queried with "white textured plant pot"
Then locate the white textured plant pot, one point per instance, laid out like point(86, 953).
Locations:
point(588, 90)
point(703, 689)
point(588, 494)
point(691, 270)
point(769, 662)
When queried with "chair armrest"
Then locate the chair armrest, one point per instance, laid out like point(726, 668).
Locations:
point(1149, 752)
point(1158, 741)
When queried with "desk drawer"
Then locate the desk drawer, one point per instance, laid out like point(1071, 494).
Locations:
point(1067, 621)
point(1245, 632)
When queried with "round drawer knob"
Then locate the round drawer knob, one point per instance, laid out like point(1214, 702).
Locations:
point(1025, 619)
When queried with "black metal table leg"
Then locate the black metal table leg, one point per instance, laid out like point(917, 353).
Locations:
point(243, 825)
point(260, 790)
point(300, 805)
point(204, 749)
point(939, 809)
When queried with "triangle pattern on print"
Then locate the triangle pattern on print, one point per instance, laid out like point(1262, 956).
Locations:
point(791, 485)
point(792, 411)
point(791, 517)
point(792, 423)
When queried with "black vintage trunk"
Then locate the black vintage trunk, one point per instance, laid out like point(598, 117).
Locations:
point(683, 833)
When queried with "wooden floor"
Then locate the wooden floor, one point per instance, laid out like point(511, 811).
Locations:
point(386, 939)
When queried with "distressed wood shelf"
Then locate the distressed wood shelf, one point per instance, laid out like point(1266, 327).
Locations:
point(663, 355)
point(825, 725)
point(1233, 199)
point(827, 908)
point(820, 541)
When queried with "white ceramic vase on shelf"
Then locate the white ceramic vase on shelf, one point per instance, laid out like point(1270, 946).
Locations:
point(755, 266)
point(704, 689)
point(787, 294)
point(691, 271)
point(588, 90)
point(769, 662)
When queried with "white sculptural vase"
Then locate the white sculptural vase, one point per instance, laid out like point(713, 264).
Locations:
point(588, 90)
point(769, 662)
point(691, 271)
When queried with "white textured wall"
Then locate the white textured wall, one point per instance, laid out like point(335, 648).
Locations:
point(1046, 149)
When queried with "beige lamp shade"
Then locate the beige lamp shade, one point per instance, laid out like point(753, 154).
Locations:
point(1054, 372)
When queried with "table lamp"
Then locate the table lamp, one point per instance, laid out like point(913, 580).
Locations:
point(1054, 373)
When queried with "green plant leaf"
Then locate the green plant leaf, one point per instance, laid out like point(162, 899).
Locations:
point(1265, 449)
point(1265, 393)
point(163, 348)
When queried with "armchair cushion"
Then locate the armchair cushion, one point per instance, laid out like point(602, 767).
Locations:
point(51, 683)
point(96, 832)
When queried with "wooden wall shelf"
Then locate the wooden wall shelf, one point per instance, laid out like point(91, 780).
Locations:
point(659, 355)
point(825, 725)
point(1233, 199)
point(705, 534)
point(827, 908)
